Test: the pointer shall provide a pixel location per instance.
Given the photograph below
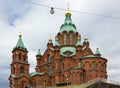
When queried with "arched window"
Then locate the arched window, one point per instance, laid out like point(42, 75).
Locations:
point(13, 70)
point(80, 65)
point(24, 57)
point(63, 78)
point(92, 66)
point(71, 39)
point(49, 58)
point(22, 70)
point(19, 56)
point(62, 65)
point(44, 82)
point(22, 85)
point(49, 69)
point(64, 39)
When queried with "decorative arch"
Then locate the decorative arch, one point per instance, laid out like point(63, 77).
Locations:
point(22, 84)
point(22, 70)
point(100, 66)
point(87, 65)
point(93, 65)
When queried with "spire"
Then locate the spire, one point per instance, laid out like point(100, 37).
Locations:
point(56, 42)
point(50, 40)
point(20, 44)
point(85, 39)
point(78, 42)
point(38, 53)
point(97, 52)
point(86, 43)
point(68, 9)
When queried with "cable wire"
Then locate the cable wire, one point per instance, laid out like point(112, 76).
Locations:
point(35, 3)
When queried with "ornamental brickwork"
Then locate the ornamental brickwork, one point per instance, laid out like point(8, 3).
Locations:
point(68, 61)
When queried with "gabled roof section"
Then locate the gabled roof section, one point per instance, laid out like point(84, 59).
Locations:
point(68, 25)
point(20, 44)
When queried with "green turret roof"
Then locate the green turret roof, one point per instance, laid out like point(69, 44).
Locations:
point(78, 42)
point(68, 25)
point(56, 42)
point(20, 44)
point(97, 52)
point(85, 39)
point(38, 53)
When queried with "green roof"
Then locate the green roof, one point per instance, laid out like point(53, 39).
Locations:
point(97, 51)
point(35, 73)
point(68, 25)
point(84, 48)
point(78, 42)
point(14, 76)
point(39, 53)
point(88, 56)
point(70, 49)
point(20, 44)
point(56, 42)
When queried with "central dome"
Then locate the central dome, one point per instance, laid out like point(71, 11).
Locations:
point(68, 25)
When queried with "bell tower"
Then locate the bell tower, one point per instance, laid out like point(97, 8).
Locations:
point(19, 77)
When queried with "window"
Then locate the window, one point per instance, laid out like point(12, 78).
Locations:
point(22, 70)
point(22, 85)
point(49, 58)
point(62, 65)
point(19, 56)
point(13, 70)
point(80, 65)
point(49, 69)
point(44, 82)
point(24, 57)
point(63, 77)
point(71, 39)
point(92, 66)
point(64, 39)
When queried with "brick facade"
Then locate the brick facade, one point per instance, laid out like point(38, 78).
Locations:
point(66, 61)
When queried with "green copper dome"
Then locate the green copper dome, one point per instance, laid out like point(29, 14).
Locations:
point(38, 53)
point(78, 42)
point(56, 42)
point(68, 25)
point(20, 44)
point(97, 51)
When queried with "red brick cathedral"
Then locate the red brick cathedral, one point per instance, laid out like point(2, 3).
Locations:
point(67, 61)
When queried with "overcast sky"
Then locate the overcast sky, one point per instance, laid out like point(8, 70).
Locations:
point(37, 25)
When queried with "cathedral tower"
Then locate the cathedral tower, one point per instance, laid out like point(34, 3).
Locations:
point(19, 77)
